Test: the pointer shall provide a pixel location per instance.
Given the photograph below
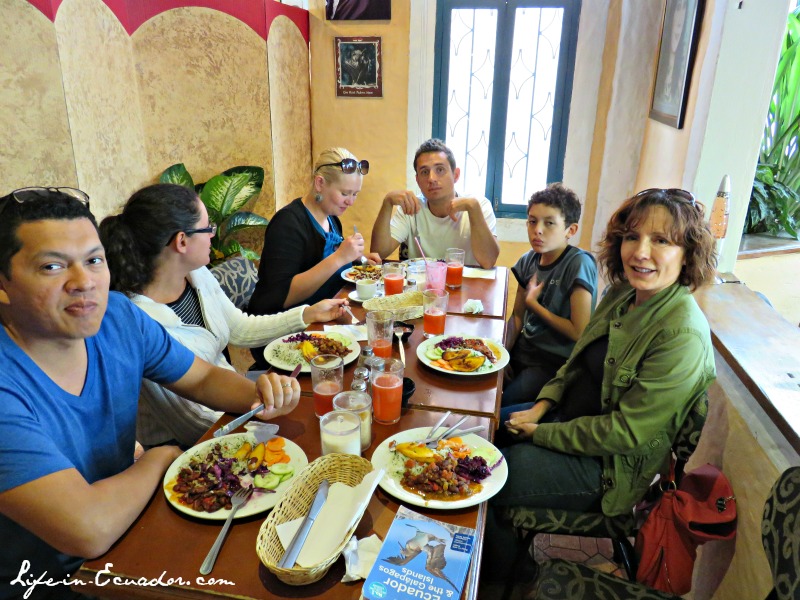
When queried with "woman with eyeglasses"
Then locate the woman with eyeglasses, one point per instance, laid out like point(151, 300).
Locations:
point(599, 431)
point(157, 250)
point(305, 249)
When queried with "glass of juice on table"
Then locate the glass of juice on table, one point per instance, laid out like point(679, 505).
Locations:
point(434, 311)
point(340, 431)
point(387, 391)
point(380, 332)
point(455, 267)
point(393, 277)
point(435, 274)
point(327, 371)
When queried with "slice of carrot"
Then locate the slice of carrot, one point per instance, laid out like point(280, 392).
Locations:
point(276, 444)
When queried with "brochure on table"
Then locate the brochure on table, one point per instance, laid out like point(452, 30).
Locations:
point(420, 558)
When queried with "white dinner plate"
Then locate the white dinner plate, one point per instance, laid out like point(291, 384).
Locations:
point(347, 275)
point(495, 347)
point(259, 501)
point(387, 459)
point(271, 353)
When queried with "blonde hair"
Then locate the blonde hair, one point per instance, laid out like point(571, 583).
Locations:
point(330, 157)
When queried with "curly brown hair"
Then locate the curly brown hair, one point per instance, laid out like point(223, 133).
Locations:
point(689, 230)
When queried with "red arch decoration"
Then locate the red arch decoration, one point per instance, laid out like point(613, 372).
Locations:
point(256, 14)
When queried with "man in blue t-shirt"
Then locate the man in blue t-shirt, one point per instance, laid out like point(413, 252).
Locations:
point(73, 357)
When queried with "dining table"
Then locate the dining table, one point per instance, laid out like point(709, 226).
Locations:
point(161, 553)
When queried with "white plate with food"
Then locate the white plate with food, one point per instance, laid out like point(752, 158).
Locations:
point(483, 481)
point(297, 349)
point(199, 480)
point(463, 355)
point(359, 272)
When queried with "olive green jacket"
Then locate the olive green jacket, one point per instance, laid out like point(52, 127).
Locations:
point(660, 361)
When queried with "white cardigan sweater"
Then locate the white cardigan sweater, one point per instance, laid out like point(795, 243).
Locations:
point(165, 416)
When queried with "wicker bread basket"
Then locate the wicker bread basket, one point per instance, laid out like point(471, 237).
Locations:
point(404, 307)
point(296, 501)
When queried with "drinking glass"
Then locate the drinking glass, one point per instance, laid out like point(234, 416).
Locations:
point(327, 372)
point(360, 404)
point(435, 274)
point(416, 274)
point(340, 431)
point(393, 278)
point(455, 267)
point(387, 391)
point(380, 332)
point(434, 312)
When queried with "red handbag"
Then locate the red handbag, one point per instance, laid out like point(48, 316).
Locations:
point(701, 508)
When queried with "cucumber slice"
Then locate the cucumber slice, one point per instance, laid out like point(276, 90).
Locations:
point(287, 476)
point(282, 469)
point(269, 481)
point(433, 353)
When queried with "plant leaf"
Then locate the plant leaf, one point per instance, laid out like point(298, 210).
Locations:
point(177, 174)
point(240, 221)
point(226, 194)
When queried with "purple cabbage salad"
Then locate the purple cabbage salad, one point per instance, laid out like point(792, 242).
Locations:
point(450, 343)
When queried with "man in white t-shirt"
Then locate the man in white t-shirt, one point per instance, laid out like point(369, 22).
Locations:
point(441, 218)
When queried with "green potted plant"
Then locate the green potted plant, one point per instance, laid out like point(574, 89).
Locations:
point(774, 205)
point(224, 196)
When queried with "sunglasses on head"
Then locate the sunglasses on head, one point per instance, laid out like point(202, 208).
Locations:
point(674, 193)
point(33, 194)
point(349, 165)
point(212, 229)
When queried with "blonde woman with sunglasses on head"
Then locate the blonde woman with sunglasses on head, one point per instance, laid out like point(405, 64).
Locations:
point(305, 249)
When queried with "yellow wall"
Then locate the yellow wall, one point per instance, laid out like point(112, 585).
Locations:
point(371, 128)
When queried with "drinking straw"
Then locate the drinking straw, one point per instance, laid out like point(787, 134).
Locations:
point(416, 239)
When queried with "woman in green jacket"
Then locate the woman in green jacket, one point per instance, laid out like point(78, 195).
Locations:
point(601, 430)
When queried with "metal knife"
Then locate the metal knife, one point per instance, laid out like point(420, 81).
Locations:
point(226, 429)
point(293, 551)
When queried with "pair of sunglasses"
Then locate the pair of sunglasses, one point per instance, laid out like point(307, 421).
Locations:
point(34, 194)
point(349, 165)
point(675, 193)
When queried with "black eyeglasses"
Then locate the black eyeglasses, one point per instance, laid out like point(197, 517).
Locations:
point(349, 165)
point(212, 229)
point(33, 194)
point(676, 193)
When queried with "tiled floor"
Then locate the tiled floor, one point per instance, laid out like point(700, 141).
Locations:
point(597, 553)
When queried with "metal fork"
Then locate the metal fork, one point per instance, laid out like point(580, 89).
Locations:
point(354, 321)
point(237, 500)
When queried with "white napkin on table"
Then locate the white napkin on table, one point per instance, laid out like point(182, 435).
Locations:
point(359, 556)
point(343, 507)
point(357, 332)
point(476, 273)
point(473, 306)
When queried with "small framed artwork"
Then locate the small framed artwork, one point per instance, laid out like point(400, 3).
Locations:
point(680, 30)
point(358, 10)
point(358, 67)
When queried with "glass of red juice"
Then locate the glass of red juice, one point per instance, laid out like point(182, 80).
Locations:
point(455, 268)
point(393, 278)
point(327, 373)
point(434, 312)
point(380, 332)
point(387, 391)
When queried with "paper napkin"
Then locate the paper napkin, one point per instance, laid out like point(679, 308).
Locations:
point(357, 332)
point(476, 273)
point(473, 306)
point(359, 556)
point(343, 508)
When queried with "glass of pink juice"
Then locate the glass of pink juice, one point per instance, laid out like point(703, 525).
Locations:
point(380, 332)
point(455, 267)
point(387, 391)
point(434, 312)
point(327, 373)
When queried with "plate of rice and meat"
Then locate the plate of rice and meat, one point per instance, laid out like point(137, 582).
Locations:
point(299, 348)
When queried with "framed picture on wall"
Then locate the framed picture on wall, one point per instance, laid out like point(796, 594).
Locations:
point(358, 67)
point(680, 30)
point(352, 10)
